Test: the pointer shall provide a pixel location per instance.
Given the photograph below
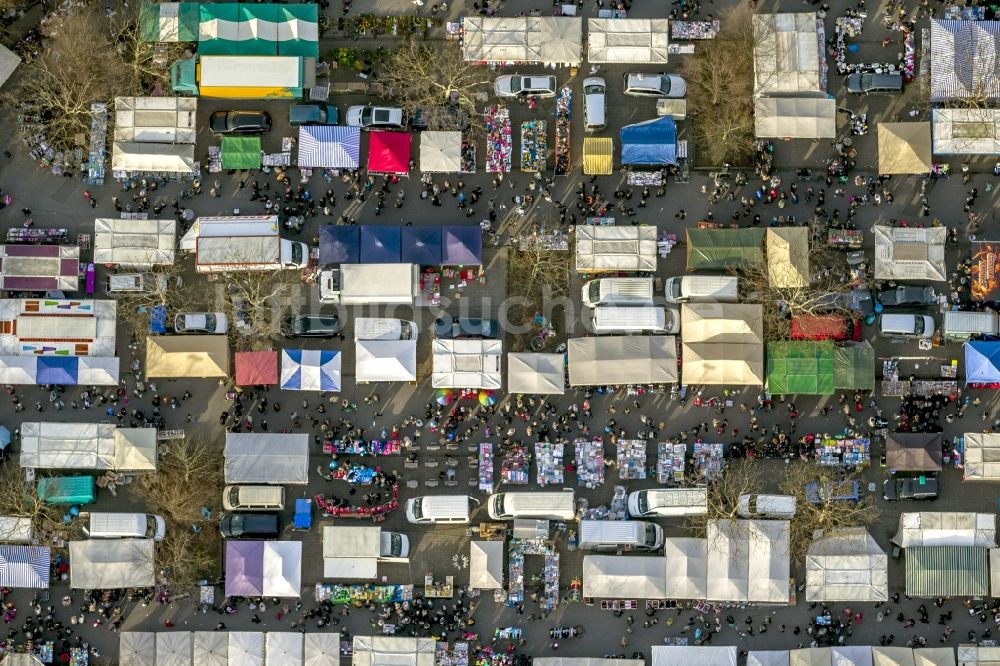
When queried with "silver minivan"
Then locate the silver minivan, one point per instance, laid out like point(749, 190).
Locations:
point(253, 498)
point(906, 326)
point(594, 104)
point(125, 526)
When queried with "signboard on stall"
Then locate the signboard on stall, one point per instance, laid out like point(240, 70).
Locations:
point(985, 281)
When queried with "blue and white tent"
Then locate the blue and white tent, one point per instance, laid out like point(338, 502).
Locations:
point(982, 362)
point(65, 370)
point(310, 369)
point(25, 566)
point(329, 146)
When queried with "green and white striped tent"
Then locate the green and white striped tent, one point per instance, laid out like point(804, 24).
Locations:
point(169, 22)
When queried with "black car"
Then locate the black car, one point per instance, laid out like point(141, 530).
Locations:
point(460, 327)
point(856, 300)
point(250, 526)
point(907, 295)
point(240, 122)
point(311, 326)
point(911, 487)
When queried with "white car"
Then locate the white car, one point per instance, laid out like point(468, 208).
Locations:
point(375, 117)
point(655, 85)
point(201, 322)
point(594, 104)
point(514, 85)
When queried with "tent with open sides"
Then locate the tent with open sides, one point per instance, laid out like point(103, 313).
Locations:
point(246, 648)
point(800, 367)
point(913, 451)
point(904, 148)
point(283, 647)
point(440, 152)
point(982, 362)
point(598, 156)
point(321, 649)
point(241, 152)
point(329, 147)
point(256, 368)
point(310, 369)
point(627, 40)
point(421, 245)
point(380, 244)
point(339, 244)
point(211, 648)
point(536, 374)
point(846, 565)
point(650, 143)
point(173, 648)
point(389, 153)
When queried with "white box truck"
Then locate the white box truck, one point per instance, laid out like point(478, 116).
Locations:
point(613, 535)
point(361, 284)
point(964, 325)
point(384, 328)
point(253, 243)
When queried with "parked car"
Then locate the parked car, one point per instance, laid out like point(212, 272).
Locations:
point(594, 104)
point(836, 327)
point(460, 327)
point(240, 122)
point(250, 526)
point(655, 85)
point(376, 117)
point(833, 491)
point(858, 300)
point(446, 118)
point(311, 326)
point(907, 295)
point(201, 322)
point(394, 545)
point(313, 114)
point(515, 85)
point(906, 326)
point(911, 487)
point(864, 83)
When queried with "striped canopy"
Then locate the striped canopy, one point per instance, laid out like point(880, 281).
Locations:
point(329, 146)
point(25, 566)
point(258, 29)
point(310, 369)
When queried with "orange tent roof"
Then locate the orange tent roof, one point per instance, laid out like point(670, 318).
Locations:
point(256, 368)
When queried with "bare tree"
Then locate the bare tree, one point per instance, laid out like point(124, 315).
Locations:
point(534, 274)
point(821, 512)
point(740, 477)
point(19, 499)
point(253, 301)
point(434, 77)
point(161, 288)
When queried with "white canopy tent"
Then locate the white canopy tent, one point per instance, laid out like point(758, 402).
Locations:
point(982, 456)
point(351, 551)
point(962, 58)
point(847, 565)
point(486, 565)
point(929, 656)
point(137, 648)
point(910, 253)
point(98, 446)
point(722, 343)
point(974, 655)
point(135, 243)
point(321, 649)
point(283, 647)
point(602, 249)
point(109, 564)
point(795, 117)
point(9, 62)
point(156, 119)
point(725, 323)
point(466, 363)
point(211, 648)
point(536, 374)
point(939, 528)
point(627, 40)
point(393, 651)
point(817, 656)
point(789, 56)
point(691, 655)
point(283, 569)
point(585, 661)
point(748, 560)
point(385, 360)
point(851, 655)
point(896, 656)
point(173, 648)
point(767, 658)
point(267, 458)
point(78, 328)
point(523, 39)
point(614, 576)
point(622, 359)
point(788, 257)
point(965, 131)
point(687, 567)
point(440, 152)
point(246, 648)
point(134, 157)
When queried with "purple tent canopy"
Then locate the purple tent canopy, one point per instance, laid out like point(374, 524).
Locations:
point(380, 245)
point(422, 245)
point(339, 244)
point(244, 568)
point(463, 246)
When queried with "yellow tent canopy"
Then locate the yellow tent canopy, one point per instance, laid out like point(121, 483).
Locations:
point(904, 148)
point(187, 356)
point(788, 257)
point(598, 156)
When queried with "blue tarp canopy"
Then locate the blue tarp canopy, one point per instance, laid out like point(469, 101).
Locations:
point(653, 142)
point(158, 319)
point(982, 362)
point(329, 146)
point(339, 245)
point(56, 370)
point(302, 520)
point(422, 245)
point(380, 245)
point(462, 246)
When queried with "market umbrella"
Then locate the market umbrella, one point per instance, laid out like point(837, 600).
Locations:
point(445, 396)
point(486, 398)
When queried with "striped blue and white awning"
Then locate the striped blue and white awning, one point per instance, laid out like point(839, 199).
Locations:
point(329, 146)
point(25, 566)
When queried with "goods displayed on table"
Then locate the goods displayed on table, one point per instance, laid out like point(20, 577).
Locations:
point(549, 463)
point(670, 462)
point(843, 451)
point(631, 459)
point(514, 466)
point(79, 656)
point(98, 141)
point(329, 509)
point(963, 13)
point(589, 462)
point(37, 235)
point(850, 27)
point(550, 571)
point(486, 467)
point(616, 510)
point(468, 164)
point(645, 178)
point(360, 447)
point(444, 590)
point(859, 124)
point(534, 146)
point(215, 159)
point(708, 459)
point(694, 29)
point(498, 139)
point(564, 102)
point(446, 654)
point(361, 475)
point(276, 159)
point(345, 594)
point(851, 239)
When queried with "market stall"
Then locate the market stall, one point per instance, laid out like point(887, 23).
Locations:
point(111, 564)
point(708, 460)
point(846, 565)
point(386, 360)
point(134, 243)
point(329, 147)
point(187, 356)
point(549, 463)
point(461, 246)
point(589, 462)
point(381, 244)
point(310, 369)
point(263, 568)
point(519, 548)
point(24, 566)
point(598, 156)
point(137, 648)
point(271, 458)
point(486, 467)
point(627, 40)
point(795, 117)
point(914, 452)
point(339, 244)
point(440, 152)
point(498, 139)
point(466, 363)
point(389, 153)
point(421, 245)
point(621, 576)
point(534, 146)
point(536, 373)
point(652, 143)
point(843, 451)
point(241, 152)
point(564, 113)
point(622, 359)
point(523, 39)
point(904, 148)
point(486, 565)
point(514, 466)
point(256, 368)
point(631, 459)
point(670, 460)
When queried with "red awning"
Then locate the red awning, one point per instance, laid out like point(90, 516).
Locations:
point(256, 368)
point(389, 152)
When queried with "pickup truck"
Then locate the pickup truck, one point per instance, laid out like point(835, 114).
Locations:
point(833, 491)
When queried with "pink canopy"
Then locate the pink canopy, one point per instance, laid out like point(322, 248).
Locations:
point(389, 152)
point(256, 368)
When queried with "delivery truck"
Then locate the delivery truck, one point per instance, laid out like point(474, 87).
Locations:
point(362, 284)
point(249, 243)
point(244, 77)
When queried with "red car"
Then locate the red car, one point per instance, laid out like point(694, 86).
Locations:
point(826, 327)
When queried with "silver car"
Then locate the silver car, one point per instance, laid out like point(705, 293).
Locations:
point(201, 322)
point(515, 85)
point(655, 85)
point(594, 104)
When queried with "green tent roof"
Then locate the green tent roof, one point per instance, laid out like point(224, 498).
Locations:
point(241, 152)
point(724, 248)
point(854, 367)
point(800, 367)
point(947, 571)
point(168, 22)
point(258, 29)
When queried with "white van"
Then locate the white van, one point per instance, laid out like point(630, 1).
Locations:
point(557, 505)
point(961, 326)
point(125, 526)
point(906, 326)
point(382, 328)
point(618, 291)
point(636, 319)
point(594, 104)
point(702, 289)
point(766, 506)
point(620, 535)
point(16, 530)
point(668, 502)
point(434, 509)
point(253, 498)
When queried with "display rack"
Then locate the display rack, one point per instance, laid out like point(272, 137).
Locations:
point(670, 462)
point(98, 140)
point(359, 447)
point(843, 452)
point(589, 462)
point(37, 235)
point(631, 459)
point(498, 139)
point(346, 594)
point(564, 113)
point(534, 146)
point(514, 466)
point(549, 463)
point(486, 467)
point(708, 459)
point(550, 571)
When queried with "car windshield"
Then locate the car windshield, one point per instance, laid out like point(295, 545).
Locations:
point(665, 85)
point(396, 546)
point(643, 502)
point(595, 291)
point(918, 326)
point(418, 508)
point(297, 253)
point(210, 322)
point(366, 115)
point(650, 534)
point(866, 81)
point(515, 84)
point(593, 90)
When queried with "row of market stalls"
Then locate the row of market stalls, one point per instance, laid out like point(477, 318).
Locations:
point(856, 655)
point(218, 648)
point(87, 446)
point(423, 245)
point(269, 458)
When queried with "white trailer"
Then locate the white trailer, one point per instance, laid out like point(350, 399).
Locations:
point(249, 243)
point(361, 284)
